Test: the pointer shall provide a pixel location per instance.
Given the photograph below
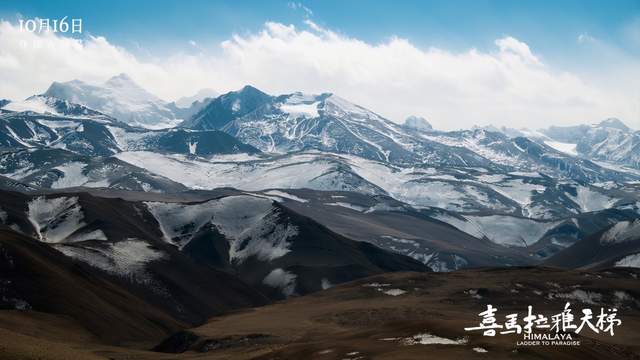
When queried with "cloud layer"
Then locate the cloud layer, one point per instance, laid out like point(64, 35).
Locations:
point(510, 85)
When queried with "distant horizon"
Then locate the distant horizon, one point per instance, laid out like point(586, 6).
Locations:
point(458, 64)
point(400, 121)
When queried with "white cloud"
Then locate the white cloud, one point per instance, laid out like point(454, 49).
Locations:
point(585, 38)
point(29, 62)
point(511, 85)
point(510, 45)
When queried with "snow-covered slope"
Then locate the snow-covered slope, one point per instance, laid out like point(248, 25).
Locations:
point(463, 190)
point(328, 123)
point(324, 122)
point(269, 246)
point(47, 105)
point(80, 135)
point(58, 168)
point(610, 143)
point(226, 108)
point(621, 232)
point(119, 97)
point(60, 220)
point(73, 249)
point(178, 141)
point(99, 135)
point(610, 140)
point(248, 235)
point(526, 155)
point(306, 170)
point(252, 225)
point(530, 183)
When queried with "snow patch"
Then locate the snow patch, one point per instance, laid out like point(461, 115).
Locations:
point(236, 106)
point(518, 190)
point(376, 285)
point(384, 288)
point(347, 206)
point(36, 104)
point(566, 148)
point(533, 174)
point(73, 175)
point(301, 110)
point(394, 292)
point(281, 279)
point(253, 226)
point(622, 231)
point(123, 258)
point(510, 230)
point(193, 147)
point(401, 240)
point(93, 235)
point(428, 339)
point(58, 124)
point(491, 178)
point(286, 195)
point(474, 293)
point(629, 261)
point(325, 284)
point(59, 220)
point(591, 200)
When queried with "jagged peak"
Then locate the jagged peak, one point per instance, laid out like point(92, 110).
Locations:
point(417, 122)
point(60, 86)
point(121, 79)
point(613, 123)
point(250, 89)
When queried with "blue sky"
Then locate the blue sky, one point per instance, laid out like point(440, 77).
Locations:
point(458, 63)
point(160, 26)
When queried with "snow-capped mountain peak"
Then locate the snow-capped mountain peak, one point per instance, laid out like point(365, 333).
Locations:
point(343, 108)
point(418, 123)
point(226, 108)
point(614, 123)
point(610, 140)
point(121, 80)
point(325, 122)
point(119, 97)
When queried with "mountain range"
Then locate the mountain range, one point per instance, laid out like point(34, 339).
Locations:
point(533, 183)
point(143, 217)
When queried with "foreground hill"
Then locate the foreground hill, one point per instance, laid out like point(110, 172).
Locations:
point(411, 316)
point(37, 278)
point(159, 262)
point(390, 316)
